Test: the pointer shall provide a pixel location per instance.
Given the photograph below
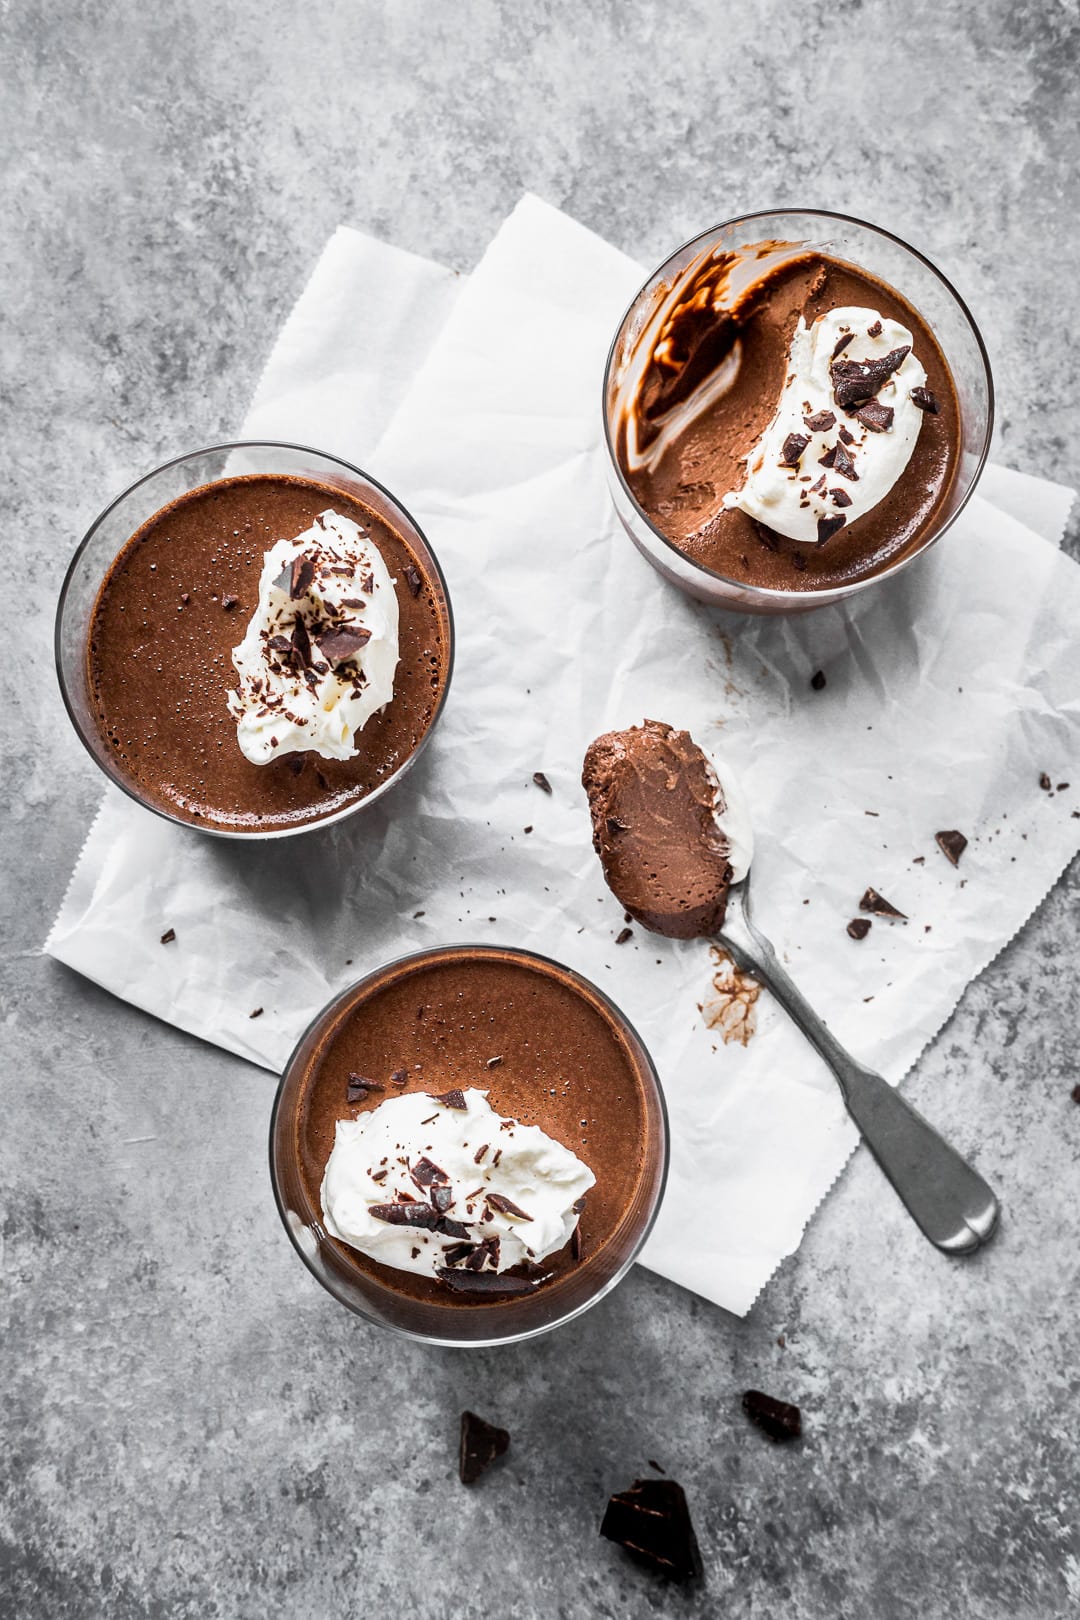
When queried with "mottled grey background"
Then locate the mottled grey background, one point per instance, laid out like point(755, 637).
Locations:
point(192, 1427)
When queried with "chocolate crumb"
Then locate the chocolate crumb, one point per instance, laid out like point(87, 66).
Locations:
point(875, 330)
point(846, 436)
point(413, 580)
point(872, 901)
point(623, 935)
point(1061, 787)
point(952, 845)
point(925, 400)
point(399, 1077)
point(527, 829)
point(1075, 1094)
point(614, 825)
point(1045, 782)
point(779, 1419)
point(256, 1014)
point(493, 1062)
point(168, 936)
point(859, 927)
point(792, 448)
point(229, 602)
point(828, 524)
point(651, 1522)
point(817, 680)
point(541, 781)
point(450, 1099)
point(479, 1154)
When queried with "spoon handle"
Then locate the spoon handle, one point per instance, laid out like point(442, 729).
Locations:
point(946, 1197)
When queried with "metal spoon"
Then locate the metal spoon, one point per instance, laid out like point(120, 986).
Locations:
point(948, 1200)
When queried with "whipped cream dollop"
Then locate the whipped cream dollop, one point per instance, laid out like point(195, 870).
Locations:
point(844, 430)
point(731, 812)
point(320, 651)
point(430, 1184)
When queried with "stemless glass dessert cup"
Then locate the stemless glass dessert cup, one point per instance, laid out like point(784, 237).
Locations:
point(123, 517)
point(483, 1322)
point(888, 259)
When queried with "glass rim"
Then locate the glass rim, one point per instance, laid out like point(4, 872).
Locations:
point(255, 835)
point(830, 593)
point(432, 953)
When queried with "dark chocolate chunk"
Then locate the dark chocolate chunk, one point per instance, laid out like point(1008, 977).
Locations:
point(1045, 782)
point(875, 416)
point(872, 901)
point(842, 343)
point(455, 1253)
point(1061, 787)
point(229, 602)
point(875, 330)
point(828, 524)
point(840, 461)
point(856, 381)
point(301, 641)
point(413, 580)
point(441, 1199)
point(487, 1249)
point(449, 1228)
point(281, 644)
point(925, 400)
point(399, 1077)
point(340, 645)
point(358, 1086)
point(820, 422)
point(405, 1215)
point(840, 497)
point(1075, 1094)
point(859, 927)
point(846, 436)
point(296, 577)
point(817, 680)
point(951, 844)
point(168, 936)
point(506, 1206)
point(541, 781)
point(779, 1419)
point(493, 1283)
point(792, 448)
point(427, 1174)
point(652, 1522)
point(614, 825)
point(449, 1099)
point(623, 935)
point(481, 1443)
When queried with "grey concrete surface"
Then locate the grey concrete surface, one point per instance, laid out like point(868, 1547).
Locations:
point(190, 1427)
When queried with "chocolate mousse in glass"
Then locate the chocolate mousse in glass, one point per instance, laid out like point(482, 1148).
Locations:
point(254, 639)
point(796, 405)
point(469, 1145)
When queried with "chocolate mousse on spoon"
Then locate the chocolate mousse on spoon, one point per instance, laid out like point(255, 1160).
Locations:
point(678, 861)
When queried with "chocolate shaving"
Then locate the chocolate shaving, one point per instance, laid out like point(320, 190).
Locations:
point(481, 1443)
point(875, 416)
point(449, 1099)
point(427, 1174)
point(872, 901)
point(925, 400)
point(491, 1282)
point(413, 580)
point(855, 381)
point(651, 1521)
point(378, 1175)
point(506, 1206)
point(842, 343)
point(541, 781)
point(296, 577)
point(875, 330)
point(623, 935)
point(258, 1012)
point(828, 524)
point(820, 422)
point(301, 641)
point(840, 461)
point(168, 936)
point(952, 845)
point(575, 1244)
point(792, 448)
point(817, 680)
point(405, 1215)
point(859, 927)
point(358, 1086)
point(479, 1154)
point(340, 645)
point(779, 1419)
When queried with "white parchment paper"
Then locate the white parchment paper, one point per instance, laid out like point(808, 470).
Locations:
point(949, 691)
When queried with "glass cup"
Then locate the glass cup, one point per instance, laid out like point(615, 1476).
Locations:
point(484, 1323)
point(888, 259)
point(110, 532)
